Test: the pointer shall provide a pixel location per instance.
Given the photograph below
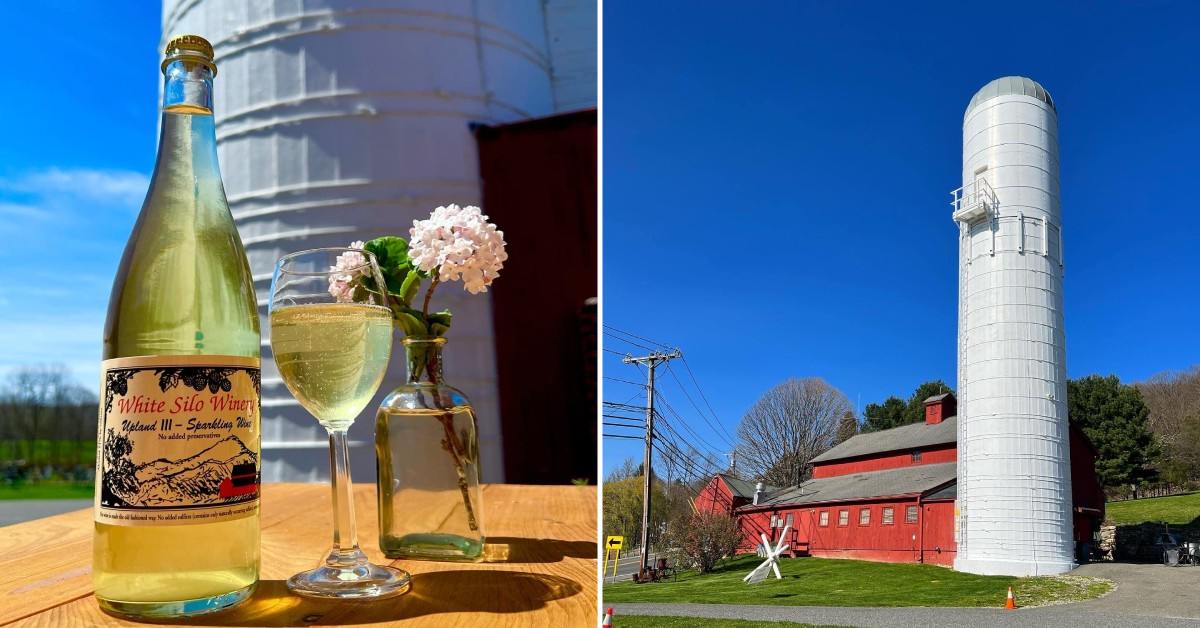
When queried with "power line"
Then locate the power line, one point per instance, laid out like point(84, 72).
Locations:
point(631, 343)
point(632, 335)
point(683, 422)
point(624, 381)
point(715, 428)
point(703, 396)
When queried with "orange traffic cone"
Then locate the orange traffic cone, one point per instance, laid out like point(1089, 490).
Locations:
point(1010, 603)
point(607, 619)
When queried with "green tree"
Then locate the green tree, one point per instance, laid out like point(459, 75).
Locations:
point(894, 411)
point(884, 416)
point(623, 509)
point(1114, 417)
point(915, 413)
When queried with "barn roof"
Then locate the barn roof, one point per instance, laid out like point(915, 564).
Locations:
point(912, 436)
point(742, 488)
point(889, 482)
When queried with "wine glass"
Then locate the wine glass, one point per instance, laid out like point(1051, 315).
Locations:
point(331, 336)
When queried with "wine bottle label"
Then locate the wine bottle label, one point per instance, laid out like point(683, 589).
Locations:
point(178, 440)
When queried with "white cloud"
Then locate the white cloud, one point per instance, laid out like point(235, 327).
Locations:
point(124, 187)
point(21, 211)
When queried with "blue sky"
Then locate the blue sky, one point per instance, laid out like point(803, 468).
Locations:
point(78, 122)
point(776, 188)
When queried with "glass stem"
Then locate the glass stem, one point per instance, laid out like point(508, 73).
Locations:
point(345, 553)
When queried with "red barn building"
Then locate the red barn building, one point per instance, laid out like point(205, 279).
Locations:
point(885, 496)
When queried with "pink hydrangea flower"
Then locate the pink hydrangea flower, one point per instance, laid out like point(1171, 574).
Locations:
point(346, 270)
point(458, 243)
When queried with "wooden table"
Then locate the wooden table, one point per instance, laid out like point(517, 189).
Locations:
point(542, 540)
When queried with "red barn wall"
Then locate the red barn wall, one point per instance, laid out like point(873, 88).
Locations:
point(895, 542)
point(714, 497)
point(933, 454)
point(1085, 487)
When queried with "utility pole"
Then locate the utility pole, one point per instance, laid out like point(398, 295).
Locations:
point(652, 361)
point(733, 462)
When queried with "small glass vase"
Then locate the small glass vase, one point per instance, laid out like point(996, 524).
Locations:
point(427, 458)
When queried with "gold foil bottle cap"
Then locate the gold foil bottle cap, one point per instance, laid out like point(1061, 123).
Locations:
point(191, 48)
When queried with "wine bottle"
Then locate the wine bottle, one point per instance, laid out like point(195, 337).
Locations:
point(178, 445)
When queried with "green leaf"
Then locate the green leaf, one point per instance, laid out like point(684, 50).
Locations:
point(391, 252)
point(439, 322)
point(410, 286)
point(409, 322)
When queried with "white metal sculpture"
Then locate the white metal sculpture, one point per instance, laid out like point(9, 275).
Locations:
point(772, 562)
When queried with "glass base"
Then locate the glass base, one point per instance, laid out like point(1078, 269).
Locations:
point(180, 608)
point(365, 580)
point(433, 546)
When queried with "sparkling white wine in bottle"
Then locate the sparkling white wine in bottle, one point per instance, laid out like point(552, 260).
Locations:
point(178, 444)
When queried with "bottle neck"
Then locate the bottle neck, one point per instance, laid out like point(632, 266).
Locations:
point(187, 88)
point(424, 359)
point(187, 141)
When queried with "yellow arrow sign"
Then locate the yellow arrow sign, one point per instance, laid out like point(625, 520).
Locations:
point(614, 543)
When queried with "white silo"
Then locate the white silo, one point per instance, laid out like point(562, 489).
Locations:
point(341, 120)
point(1014, 468)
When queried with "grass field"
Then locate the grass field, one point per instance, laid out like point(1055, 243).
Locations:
point(47, 490)
point(1176, 510)
point(641, 621)
point(827, 582)
point(51, 451)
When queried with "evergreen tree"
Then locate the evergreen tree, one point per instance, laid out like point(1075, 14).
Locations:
point(915, 413)
point(884, 416)
point(1114, 417)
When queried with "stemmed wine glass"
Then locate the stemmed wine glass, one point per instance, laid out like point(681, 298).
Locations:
point(332, 348)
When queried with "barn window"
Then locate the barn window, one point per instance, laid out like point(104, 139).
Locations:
point(843, 517)
point(864, 516)
point(823, 521)
point(788, 523)
point(916, 455)
point(888, 516)
point(774, 521)
point(910, 514)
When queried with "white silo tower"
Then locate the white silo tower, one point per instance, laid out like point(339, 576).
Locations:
point(342, 120)
point(1014, 468)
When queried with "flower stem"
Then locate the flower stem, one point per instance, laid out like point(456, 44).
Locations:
point(429, 294)
point(454, 447)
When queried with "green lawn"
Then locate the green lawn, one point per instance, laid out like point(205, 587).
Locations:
point(44, 450)
point(643, 621)
point(47, 490)
point(1176, 510)
point(828, 582)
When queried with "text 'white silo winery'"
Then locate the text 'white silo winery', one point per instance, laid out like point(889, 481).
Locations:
point(1014, 484)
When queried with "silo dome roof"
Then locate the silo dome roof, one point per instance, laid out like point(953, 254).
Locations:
point(1011, 85)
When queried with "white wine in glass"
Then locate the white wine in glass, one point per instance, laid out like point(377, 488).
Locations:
point(332, 356)
point(332, 349)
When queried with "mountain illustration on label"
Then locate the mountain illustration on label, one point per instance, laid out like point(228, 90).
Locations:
point(225, 472)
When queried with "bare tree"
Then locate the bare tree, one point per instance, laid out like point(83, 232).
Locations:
point(787, 427)
point(847, 428)
point(46, 419)
point(1173, 399)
